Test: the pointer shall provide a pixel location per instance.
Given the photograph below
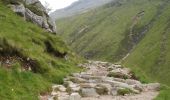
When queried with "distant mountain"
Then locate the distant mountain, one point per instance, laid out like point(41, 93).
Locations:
point(77, 7)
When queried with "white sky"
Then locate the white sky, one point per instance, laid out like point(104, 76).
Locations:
point(58, 4)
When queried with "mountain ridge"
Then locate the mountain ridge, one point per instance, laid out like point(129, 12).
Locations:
point(77, 7)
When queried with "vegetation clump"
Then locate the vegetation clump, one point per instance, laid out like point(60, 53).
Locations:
point(124, 91)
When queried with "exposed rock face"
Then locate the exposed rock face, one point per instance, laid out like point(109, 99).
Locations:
point(34, 11)
point(28, 2)
point(20, 9)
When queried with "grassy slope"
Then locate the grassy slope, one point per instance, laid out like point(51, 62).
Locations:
point(28, 39)
point(151, 57)
point(108, 27)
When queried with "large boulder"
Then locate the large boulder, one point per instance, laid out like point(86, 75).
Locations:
point(34, 11)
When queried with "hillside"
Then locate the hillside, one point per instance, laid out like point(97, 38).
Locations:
point(79, 6)
point(31, 59)
point(132, 32)
point(110, 26)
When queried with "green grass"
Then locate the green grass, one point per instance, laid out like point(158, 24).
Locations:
point(163, 95)
point(16, 85)
point(107, 26)
point(104, 34)
point(26, 40)
point(124, 91)
point(150, 58)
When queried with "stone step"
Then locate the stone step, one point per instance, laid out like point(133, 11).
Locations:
point(94, 83)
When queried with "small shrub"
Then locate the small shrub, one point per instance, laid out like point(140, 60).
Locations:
point(124, 91)
point(35, 10)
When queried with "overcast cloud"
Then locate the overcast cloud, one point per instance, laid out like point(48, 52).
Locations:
point(58, 4)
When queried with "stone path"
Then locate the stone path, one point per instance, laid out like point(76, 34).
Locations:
point(103, 81)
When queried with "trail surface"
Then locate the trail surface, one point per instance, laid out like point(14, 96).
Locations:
point(103, 81)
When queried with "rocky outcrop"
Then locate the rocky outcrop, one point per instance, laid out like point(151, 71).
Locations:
point(33, 11)
point(95, 84)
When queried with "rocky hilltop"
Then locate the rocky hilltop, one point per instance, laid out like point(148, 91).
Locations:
point(33, 11)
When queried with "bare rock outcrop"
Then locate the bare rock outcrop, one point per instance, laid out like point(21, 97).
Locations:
point(33, 11)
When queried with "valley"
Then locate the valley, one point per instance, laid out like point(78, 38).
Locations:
point(96, 50)
point(128, 32)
